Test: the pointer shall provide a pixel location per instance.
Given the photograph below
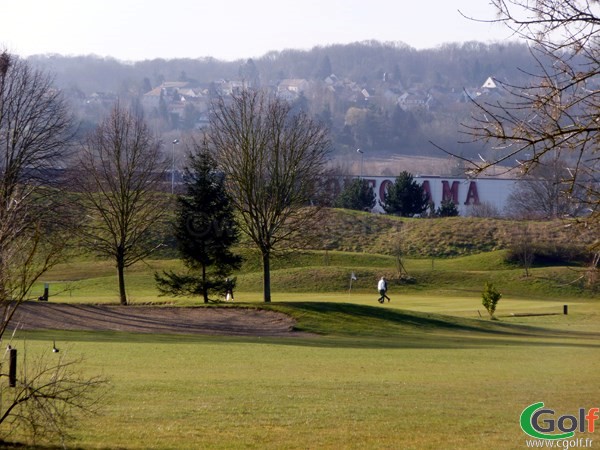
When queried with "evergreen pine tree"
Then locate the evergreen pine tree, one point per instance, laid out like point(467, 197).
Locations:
point(405, 197)
point(358, 195)
point(447, 209)
point(205, 230)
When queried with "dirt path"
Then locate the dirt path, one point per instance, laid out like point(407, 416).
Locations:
point(154, 319)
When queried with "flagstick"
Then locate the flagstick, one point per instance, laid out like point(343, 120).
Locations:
point(352, 277)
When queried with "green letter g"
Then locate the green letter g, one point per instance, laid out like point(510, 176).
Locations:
point(528, 428)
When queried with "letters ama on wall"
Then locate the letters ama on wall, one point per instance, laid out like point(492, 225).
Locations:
point(463, 192)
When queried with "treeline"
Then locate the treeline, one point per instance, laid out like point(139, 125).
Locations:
point(364, 109)
point(451, 65)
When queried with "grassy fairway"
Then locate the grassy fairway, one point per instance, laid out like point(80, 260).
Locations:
point(427, 371)
point(382, 378)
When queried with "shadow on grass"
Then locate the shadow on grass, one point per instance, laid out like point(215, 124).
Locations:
point(357, 326)
point(360, 325)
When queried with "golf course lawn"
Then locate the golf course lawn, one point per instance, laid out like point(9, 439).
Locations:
point(404, 385)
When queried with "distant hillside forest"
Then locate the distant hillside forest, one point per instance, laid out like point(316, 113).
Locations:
point(387, 98)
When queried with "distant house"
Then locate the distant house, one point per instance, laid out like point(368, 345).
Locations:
point(489, 84)
point(488, 89)
point(188, 93)
point(151, 99)
point(171, 85)
point(290, 89)
point(168, 90)
point(177, 96)
point(331, 79)
point(414, 100)
point(101, 97)
point(230, 87)
point(294, 85)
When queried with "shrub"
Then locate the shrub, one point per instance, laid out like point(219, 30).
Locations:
point(447, 209)
point(490, 298)
point(550, 254)
point(358, 195)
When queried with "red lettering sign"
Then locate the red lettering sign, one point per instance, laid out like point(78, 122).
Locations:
point(427, 190)
point(385, 184)
point(450, 193)
point(472, 195)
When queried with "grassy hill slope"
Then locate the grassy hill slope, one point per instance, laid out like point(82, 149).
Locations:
point(449, 256)
point(441, 237)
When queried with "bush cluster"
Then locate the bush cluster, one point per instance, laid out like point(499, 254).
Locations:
point(549, 253)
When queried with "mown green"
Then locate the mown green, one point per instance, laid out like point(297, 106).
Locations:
point(372, 377)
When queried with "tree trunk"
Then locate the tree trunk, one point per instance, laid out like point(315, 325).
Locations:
point(122, 294)
point(266, 276)
point(121, 272)
point(204, 289)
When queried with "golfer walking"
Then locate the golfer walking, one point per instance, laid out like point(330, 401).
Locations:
point(382, 288)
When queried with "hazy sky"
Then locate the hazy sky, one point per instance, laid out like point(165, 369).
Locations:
point(228, 30)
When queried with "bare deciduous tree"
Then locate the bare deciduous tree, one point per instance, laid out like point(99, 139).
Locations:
point(122, 172)
point(35, 127)
point(522, 247)
point(555, 116)
point(398, 251)
point(274, 161)
point(544, 194)
point(36, 223)
point(49, 394)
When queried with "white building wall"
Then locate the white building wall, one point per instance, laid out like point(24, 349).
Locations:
point(463, 192)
